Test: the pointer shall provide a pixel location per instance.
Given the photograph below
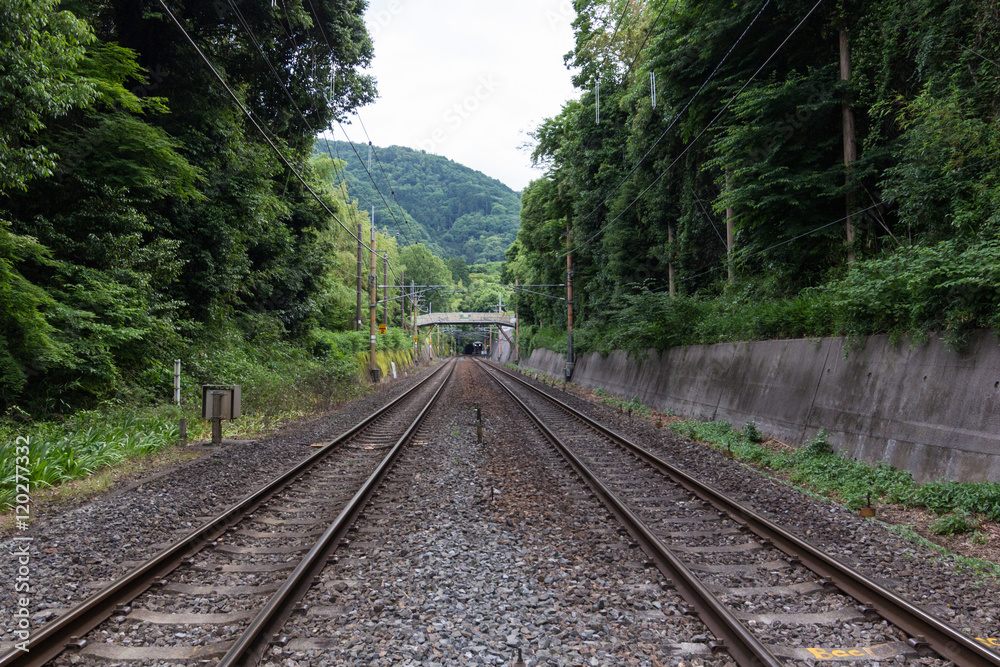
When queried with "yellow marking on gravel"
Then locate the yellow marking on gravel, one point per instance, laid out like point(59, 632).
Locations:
point(877, 652)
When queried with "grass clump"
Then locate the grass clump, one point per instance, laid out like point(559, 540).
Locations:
point(817, 467)
point(87, 442)
point(954, 523)
point(634, 405)
point(281, 381)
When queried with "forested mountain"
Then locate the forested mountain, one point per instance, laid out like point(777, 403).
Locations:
point(851, 147)
point(454, 210)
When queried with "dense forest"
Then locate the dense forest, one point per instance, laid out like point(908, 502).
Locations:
point(150, 211)
point(454, 210)
point(779, 168)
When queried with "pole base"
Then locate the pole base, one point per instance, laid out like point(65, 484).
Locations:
point(376, 375)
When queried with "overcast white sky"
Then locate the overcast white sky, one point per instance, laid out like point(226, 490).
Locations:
point(468, 79)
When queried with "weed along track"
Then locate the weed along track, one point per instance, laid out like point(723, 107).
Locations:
point(446, 529)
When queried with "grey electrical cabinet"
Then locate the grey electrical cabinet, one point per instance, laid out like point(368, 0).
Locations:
point(229, 405)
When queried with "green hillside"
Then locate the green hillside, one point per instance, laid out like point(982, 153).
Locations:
point(454, 210)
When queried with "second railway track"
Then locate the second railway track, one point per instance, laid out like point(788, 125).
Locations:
point(769, 597)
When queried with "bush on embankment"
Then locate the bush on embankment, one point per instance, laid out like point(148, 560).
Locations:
point(949, 288)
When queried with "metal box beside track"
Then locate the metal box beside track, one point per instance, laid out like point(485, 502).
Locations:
point(231, 403)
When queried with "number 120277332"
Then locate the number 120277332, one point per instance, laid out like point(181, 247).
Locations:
point(22, 482)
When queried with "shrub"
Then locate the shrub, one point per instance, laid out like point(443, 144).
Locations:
point(956, 523)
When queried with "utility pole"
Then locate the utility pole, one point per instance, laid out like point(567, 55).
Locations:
point(385, 289)
point(570, 358)
point(670, 261)
point(373, 305)
point(402, 299)
point(850, 139)
point(730, 237)
point(517, 325)
point(357, 314)
point(413, 306)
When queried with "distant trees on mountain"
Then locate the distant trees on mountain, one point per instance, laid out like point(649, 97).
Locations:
point(454, 210)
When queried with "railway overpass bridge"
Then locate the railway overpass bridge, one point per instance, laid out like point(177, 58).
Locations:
point(503, 350)
point(475, 319)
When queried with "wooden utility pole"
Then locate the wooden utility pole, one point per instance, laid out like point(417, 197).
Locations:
point(373, 306)
point(850, 138)
point(413, 306)
point(570, 357)
point(670, 261)
point(357, 314)
point(402, 299)
point(517, 326)
point(730, 237)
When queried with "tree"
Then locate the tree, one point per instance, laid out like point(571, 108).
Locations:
point(40, 49)
point(424, 268)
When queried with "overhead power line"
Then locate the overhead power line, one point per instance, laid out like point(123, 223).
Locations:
point(375, 184)
point(678, 115)
point(701, 134)
point(619, 23)
point(781, 243)
point(392, 190)
point(274, 147)
point(318, 21)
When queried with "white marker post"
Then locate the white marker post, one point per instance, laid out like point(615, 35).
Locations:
point(177, 382)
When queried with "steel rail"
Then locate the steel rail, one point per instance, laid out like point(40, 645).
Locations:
point(52, 639)
point(744, 647)
point(250, 647)
point(924, 628)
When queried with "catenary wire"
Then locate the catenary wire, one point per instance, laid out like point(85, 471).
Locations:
point(678, 115)
point(281, 83)
point(694, 141)
point(326, 40)
point(277, 151)
point(392, 190)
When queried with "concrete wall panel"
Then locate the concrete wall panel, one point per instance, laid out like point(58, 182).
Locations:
point(921, 407)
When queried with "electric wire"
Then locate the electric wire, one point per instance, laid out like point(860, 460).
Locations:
point(619, 23)
point(678, 115)
point(701, 134)
point(392, 190)
point(822, 227)
point(649, 32)
point(780, 243)
point(705, 212)
point(326, 40)
point(374, 183)
point(277, 77)
point(277, 151)
point(989, 60)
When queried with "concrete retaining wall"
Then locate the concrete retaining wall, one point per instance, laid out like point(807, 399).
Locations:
point(924, 409)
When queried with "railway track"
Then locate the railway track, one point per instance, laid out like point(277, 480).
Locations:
point(768, 596)
point(221, 593)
